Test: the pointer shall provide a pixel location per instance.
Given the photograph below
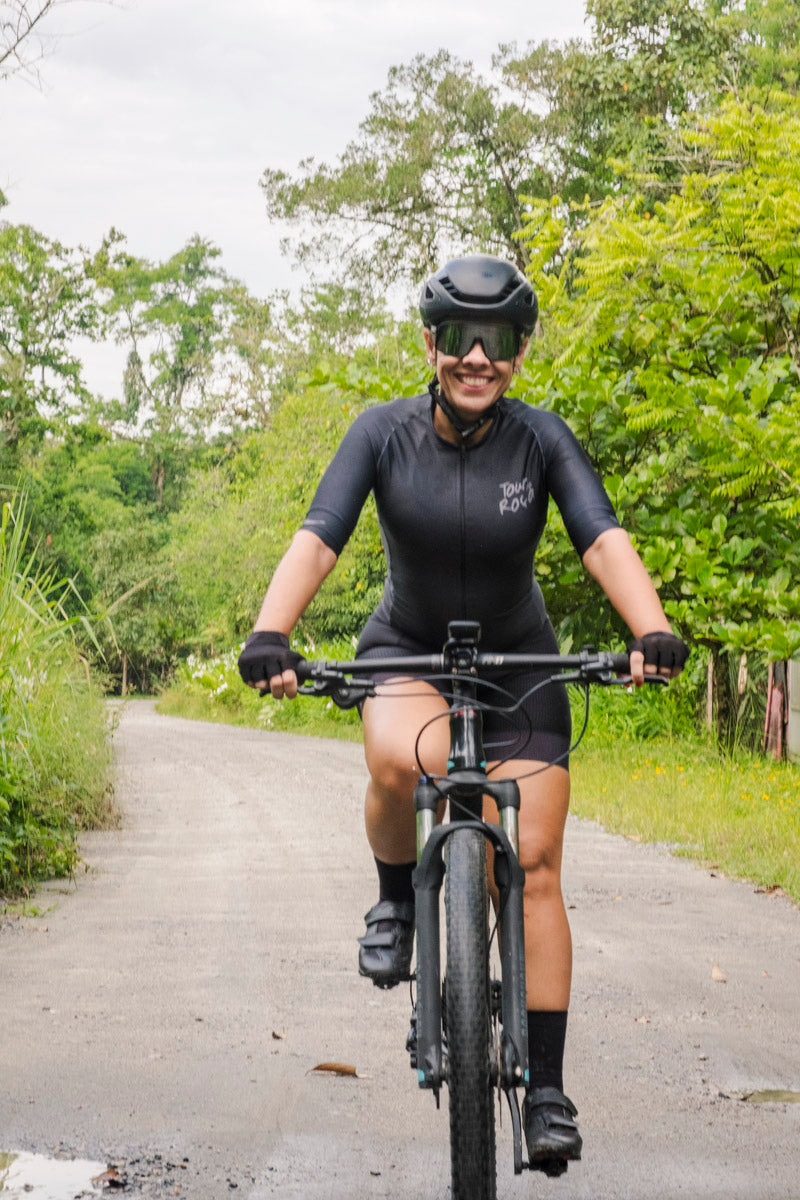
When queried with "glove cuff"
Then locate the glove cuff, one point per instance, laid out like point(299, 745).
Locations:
point(265, 637)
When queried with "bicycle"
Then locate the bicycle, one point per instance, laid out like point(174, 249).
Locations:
point(468, 1030)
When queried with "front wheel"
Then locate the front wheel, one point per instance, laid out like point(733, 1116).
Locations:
point(467, 1015)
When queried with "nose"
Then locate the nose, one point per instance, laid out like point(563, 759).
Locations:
point(477, 355)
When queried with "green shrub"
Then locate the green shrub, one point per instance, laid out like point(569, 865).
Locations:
point(212, 690)
point(54, 753)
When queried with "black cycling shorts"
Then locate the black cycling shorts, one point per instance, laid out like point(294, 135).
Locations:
point(539, 730)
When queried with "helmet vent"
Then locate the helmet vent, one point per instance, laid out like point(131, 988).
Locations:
point(511, 286)
point(508, 289)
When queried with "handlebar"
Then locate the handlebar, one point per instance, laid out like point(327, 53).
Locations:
point(589, 666)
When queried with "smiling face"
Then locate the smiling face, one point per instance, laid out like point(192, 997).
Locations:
point(472, 383)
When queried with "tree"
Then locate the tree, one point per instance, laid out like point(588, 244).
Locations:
point(46, 301)
point(439, 163)
point(443, 156)
point(196, 346)
point(149, 618)
point(674, 350)
point(620, 94)
point(766, 34)
point(21, 39)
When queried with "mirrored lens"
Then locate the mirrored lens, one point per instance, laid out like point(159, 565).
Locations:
point(500, 342)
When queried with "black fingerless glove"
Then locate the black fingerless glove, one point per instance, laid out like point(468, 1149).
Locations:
point(664, 651)
point(266, 654)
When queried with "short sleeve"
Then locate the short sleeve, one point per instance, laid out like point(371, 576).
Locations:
point(576, 487)
point(344, 487)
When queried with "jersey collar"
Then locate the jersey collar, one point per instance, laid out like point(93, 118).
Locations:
point(464, 430)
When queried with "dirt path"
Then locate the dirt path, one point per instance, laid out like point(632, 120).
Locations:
point(173, 1003)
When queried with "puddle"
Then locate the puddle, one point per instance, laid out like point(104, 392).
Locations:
point(34, 1177)
point(774, 1097)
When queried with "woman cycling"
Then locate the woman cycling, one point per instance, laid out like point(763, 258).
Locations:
point(462, 476)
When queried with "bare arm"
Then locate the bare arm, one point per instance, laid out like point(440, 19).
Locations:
point(613, 562)
point(297, 579)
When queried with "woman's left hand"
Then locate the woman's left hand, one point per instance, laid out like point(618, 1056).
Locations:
point(658, 653)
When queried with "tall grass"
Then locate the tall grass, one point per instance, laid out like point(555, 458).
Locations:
point(54, 752)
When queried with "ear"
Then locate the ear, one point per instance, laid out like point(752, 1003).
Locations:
point(430, 347)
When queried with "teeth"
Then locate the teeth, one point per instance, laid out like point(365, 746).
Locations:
point(475, 380)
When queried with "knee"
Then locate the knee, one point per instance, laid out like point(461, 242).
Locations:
point(542, 865)
point(391, 780)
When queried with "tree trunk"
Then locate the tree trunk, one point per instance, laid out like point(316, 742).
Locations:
point(159, 482)
point(725, 698)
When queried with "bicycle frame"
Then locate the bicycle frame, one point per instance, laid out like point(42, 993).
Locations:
point(464, 788)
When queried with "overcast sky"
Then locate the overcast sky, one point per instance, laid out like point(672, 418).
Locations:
point(159, 116)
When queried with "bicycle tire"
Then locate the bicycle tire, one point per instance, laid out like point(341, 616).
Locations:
point(467, 1013)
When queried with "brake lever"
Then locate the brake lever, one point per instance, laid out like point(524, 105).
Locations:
point(606, 678)
point(345, 693)
point(627, 680)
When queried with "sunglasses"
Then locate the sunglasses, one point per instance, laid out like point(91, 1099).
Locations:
point(500, 342)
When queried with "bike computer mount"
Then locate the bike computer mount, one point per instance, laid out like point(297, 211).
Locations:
point(461, 647)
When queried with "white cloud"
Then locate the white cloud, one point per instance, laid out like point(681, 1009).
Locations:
point(159, 116)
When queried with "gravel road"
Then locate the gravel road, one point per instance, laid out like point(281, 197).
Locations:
point(165, 1014)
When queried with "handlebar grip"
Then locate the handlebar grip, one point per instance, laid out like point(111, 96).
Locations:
point(303, 670)
point(620, 664)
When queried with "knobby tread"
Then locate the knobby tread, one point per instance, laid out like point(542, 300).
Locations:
point(471, 1096)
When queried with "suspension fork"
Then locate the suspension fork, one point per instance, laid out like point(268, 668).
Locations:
point(468, 787)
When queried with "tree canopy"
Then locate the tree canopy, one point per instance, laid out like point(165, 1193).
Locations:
point(645, 177)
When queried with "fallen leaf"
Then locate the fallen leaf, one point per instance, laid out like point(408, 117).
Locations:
point(110, 1179)
point(335, 1068)
point(278, 1036)
point(772, 1097)
point(718, 975)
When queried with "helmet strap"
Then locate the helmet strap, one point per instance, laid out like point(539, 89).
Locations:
point(461, 427)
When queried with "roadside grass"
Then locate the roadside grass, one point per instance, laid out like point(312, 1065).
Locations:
point(737, 814)
point(642, 769)
point(55, 759)
point(211, 690)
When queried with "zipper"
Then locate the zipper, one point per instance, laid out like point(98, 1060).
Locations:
point(463, 491)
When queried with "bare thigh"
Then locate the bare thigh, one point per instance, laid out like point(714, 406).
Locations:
point(407, 719)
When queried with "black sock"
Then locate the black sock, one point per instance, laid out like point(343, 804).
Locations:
point(547, 1032)
point(395, 881)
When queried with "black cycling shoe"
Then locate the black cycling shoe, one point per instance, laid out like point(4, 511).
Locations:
point(388, 944)
point(550, 1131)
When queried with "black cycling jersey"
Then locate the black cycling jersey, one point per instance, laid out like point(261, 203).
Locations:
point(460, 524)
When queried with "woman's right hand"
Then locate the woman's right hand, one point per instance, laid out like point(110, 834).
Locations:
point(267, 663)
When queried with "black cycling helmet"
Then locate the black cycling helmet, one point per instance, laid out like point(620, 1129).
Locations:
point(479, 288)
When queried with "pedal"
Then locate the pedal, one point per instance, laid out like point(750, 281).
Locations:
point(551, 1167)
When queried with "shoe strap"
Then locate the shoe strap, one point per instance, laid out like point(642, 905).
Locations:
point(391, 910)
point(378, 941)
point(549, 1095)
